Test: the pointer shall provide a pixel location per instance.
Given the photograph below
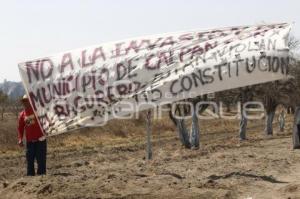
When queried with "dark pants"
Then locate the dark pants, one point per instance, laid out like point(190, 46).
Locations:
point(36, 150)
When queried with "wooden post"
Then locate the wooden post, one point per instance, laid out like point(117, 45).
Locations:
point(149, 134)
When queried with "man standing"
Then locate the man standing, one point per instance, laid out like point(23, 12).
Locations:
point(36, 145)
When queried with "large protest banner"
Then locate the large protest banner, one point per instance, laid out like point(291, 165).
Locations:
point(89, 86)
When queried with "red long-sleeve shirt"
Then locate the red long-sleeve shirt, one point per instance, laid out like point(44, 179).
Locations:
point(29, 124)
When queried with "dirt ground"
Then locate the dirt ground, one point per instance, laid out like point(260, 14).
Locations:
point(223, 167)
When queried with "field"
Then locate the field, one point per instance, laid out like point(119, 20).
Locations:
point(109, 162)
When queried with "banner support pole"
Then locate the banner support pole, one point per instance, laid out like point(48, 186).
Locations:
point(149, 134)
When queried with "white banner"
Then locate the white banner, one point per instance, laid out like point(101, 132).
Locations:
point(89, 86)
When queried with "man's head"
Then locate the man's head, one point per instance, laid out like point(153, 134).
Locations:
point(25, 101)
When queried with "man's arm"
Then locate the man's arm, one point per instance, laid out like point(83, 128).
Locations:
point(21, 125)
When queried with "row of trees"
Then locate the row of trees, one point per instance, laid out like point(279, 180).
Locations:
point(8, 105)
point(273, 94)
point(283, 93)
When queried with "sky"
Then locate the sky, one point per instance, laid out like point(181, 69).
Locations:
point(31, 29)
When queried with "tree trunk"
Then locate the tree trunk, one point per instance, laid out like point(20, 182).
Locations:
point(269, 121)
point(281, 121)
point(2, 113)
point(291, 110)
point(245, 95)
point(183, 133)
point(195, 132)
point(296, 129)
point(181, 128)
point(228, 108)
point(288, 110)
point(243, 127)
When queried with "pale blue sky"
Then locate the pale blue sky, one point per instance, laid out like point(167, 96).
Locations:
point(31, 29)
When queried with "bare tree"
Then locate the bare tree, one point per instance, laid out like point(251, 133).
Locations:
point(3, 103)
point(189, 138)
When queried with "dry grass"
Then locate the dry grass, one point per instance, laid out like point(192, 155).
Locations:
point(117, 132)
point(8, 133)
